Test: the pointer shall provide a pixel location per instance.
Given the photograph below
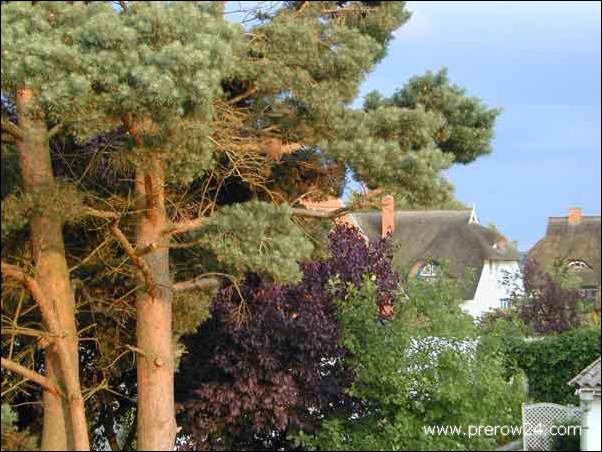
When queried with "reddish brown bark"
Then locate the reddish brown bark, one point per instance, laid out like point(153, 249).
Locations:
point(54, 429)
point(32, 375)
point(156, 410)
point(52, 275)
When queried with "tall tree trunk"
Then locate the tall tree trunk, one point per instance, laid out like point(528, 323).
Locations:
point(156, 410)
point(52, 274)
point(54, 430)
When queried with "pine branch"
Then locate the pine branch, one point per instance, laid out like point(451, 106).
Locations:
point(348, 10)
point(317, 213)
point(29, 374)
point(43, 303)
point(202, 282)
point(101, 213)
point(54, 130)
point(147, 249)
point(12, 129)
point(185, 226)
point(136, 350)
point(68, 367)
point(252, 90)
point(185, 245)
point(136, 259)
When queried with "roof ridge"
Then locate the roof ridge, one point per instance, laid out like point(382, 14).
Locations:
point(487, 249)
point(416, 211)
point(434, 210)
point(582, 217)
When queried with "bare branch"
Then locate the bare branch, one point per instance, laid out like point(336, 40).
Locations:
point(136, 259)
point(317, 213)
point(54, 130)
point(67, 365)
point(185, 226)
point(101, 213)
point(252, 90)
point(43, 303)
point(185, 245)
point(348, 10)
point(147, 249)
point(135, 350)
point(12, 128)
point(202, 282)
point(29, 374)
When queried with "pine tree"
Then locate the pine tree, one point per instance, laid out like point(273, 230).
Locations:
point(164, 84)
point(42, 78)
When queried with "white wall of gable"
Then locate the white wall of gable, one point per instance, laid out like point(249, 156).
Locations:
point(497, 282)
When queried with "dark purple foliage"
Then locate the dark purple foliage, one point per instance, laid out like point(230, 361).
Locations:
point(249, 379)
point(548, 307)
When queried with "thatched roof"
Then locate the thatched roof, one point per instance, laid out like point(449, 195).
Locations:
point(565, 242)
point(451, 236)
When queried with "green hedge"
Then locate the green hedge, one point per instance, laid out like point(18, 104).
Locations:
point(550, 362)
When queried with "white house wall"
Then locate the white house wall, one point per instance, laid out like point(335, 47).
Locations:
point(592, 441)
point(497, 281)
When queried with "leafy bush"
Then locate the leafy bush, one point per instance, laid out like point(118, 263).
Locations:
point(503, 324)
point(549, 304)
point(425, 366)
point(551, 361)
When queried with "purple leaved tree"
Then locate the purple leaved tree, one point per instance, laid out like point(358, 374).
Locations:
point(269, 364)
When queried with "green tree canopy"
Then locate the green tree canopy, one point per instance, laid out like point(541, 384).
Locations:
point(424, 367)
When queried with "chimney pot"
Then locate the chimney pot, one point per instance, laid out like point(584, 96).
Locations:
point(387, 215)
point(575, 215)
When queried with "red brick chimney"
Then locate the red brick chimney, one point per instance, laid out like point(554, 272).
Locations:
point(387, 215)
point(575, 215)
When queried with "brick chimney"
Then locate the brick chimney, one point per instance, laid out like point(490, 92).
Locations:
point(575, 215)
point(387, 215)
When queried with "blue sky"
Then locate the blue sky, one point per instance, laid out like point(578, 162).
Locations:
point(539, 62)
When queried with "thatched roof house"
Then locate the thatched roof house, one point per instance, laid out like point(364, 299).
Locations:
point(451, 236)
point(573, 241)
point(426, 239)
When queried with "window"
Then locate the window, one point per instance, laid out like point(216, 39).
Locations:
point(428, 270)
point(578, 265)
point(505, 303)
point(589, 293)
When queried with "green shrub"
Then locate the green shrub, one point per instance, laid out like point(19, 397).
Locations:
point(424, 366)
point(550, 362)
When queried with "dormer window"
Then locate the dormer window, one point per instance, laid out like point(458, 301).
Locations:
point(578, 265)
point(428, 270)
point(589, 293)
